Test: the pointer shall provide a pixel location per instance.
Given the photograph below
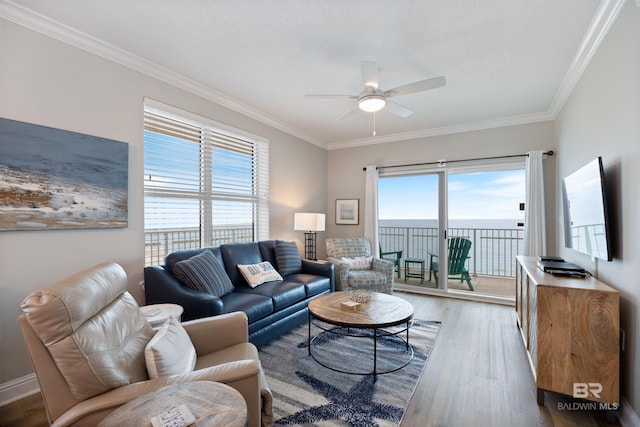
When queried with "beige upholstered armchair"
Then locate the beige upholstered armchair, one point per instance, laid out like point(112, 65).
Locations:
point(356, 268)
point(90, 347)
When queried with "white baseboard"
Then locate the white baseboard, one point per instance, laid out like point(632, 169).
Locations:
point(627, 416)
point(18, 388)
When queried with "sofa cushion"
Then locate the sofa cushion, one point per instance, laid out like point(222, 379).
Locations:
point(268, 251)
point(204, 273)
point(181, 255)
point(314, 285)
point(254, 306)
point(257, 274)
point(239, 253)
point(287, 257)
point(170, 351)
point(283, 293)
point(92, 328)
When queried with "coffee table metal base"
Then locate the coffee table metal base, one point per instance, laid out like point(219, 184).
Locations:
point(375, 334)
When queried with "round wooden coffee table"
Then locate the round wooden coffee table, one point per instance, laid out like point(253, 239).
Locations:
point(211, 403)
point(375, 318)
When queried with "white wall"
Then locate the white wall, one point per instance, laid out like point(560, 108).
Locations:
point(602, 118)
point(346, 179)
point(47, 82)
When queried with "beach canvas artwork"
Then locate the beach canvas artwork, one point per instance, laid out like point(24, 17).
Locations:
point(53, 179)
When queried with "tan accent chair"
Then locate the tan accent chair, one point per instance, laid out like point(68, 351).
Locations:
point(92, 310)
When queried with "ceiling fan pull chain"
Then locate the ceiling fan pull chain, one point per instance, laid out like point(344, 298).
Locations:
point(374, 124)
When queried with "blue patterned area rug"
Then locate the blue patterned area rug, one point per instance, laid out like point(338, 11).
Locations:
point(305, 393)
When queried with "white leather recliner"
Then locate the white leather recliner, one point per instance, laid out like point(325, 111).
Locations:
point(86, 338)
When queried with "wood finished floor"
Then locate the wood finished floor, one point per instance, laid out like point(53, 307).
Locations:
point(477, 375)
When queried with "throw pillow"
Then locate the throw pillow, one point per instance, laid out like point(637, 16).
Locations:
point(257, 274)
point(287, 257)
point(358, 263)
point(204, 273)
point(170, 351)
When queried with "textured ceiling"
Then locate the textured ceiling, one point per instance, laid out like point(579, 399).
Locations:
point(505, 62)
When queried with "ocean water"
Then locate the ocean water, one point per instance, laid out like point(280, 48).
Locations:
point(455, 223)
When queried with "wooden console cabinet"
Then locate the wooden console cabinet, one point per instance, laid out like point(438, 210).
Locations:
point(571, 330)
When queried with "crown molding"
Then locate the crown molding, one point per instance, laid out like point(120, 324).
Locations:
point(443, 130)
point(605, 16)
point(56, 30)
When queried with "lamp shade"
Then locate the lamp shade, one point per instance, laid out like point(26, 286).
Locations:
point(308, 221)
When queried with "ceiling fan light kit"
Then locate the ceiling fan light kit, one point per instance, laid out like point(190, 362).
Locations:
point(371, 102)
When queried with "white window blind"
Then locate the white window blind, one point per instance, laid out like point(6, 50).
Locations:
point(203, 185)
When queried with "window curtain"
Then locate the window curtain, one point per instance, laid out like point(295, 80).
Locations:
point(371, 209)
point(535, 242)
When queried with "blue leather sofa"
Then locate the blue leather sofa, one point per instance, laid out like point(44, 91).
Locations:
point(273, 308)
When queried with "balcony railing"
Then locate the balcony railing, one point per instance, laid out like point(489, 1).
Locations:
point(159, 243)
point(493, 250)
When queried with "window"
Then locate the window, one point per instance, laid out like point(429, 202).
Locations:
point(204, 183)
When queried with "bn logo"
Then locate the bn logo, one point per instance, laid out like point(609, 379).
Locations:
point(585, 390)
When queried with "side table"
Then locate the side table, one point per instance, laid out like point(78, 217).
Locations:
point(407, 268)
point(157, 314)
point(211, 403)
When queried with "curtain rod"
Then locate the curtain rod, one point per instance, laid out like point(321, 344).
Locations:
point(548, 153)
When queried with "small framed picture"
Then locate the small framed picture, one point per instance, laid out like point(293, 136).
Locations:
point(347, 211)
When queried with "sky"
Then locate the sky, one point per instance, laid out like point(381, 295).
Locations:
point(476, 195)
point(173, 165)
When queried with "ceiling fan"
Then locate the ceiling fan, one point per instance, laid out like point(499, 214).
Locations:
point(372, 99)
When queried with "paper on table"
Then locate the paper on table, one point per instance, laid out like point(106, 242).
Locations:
point(174, 417)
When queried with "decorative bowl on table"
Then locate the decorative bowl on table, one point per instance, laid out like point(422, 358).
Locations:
point(360, 295)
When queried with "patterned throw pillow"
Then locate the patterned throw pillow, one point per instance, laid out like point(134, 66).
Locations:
point(358, 263)
point(257, 274)
point(204, 273)
point(287, 257)
point(170, 351)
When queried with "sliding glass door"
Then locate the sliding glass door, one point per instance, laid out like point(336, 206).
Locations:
point(410, 212)
point(486, 209)
point(427, 214)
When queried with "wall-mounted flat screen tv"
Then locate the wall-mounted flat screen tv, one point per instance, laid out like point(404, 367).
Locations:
point(586, 225)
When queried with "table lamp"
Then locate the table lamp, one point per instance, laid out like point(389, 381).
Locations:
point(310, 223)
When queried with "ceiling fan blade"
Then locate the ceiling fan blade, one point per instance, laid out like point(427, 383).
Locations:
point(369, 74)
point(328, 96)
point(350, 112)
point(397, 109)
point(418, 86)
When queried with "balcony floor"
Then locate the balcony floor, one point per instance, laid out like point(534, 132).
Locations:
point(489, 285)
